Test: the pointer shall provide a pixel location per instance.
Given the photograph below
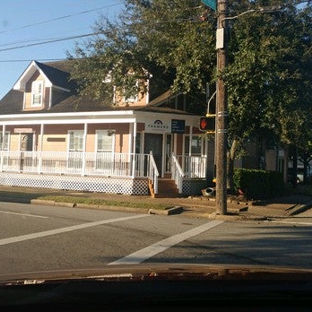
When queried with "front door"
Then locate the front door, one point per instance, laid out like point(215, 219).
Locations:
point(26, 145)
point(168, 152)
point(26, 142)
point(153, 143)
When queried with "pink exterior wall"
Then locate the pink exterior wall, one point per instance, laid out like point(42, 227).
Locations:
point(55, 137)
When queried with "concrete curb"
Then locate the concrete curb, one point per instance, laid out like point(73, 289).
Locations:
point(170, 211)
point(301, 209)
point(167, 212)
point(42, 202)
point(240, 212)
point(51, 203)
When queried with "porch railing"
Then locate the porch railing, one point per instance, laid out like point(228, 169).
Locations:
point(100, 164)
point(78, 163)
point(193, 166)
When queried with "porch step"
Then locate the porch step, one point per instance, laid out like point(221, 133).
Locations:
point(166, 189)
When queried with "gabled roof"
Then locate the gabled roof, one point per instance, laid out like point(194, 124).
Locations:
point(58, 75)
point(12, 103)
point(54, 76)
point(163, 98)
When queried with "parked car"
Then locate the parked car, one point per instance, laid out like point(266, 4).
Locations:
point(300, 175)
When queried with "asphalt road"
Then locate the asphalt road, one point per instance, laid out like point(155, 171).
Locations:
point(41, 238)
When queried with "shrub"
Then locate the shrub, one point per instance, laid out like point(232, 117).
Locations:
point(258, 184)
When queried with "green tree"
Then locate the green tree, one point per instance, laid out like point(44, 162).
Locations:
point(268, 75)
point(164, 38)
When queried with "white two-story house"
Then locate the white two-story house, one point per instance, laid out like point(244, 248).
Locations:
point(51, 138)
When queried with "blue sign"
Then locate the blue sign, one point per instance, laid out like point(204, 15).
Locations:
point(211, 3)
point(177, 126)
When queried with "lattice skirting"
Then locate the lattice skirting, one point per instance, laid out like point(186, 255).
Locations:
point(193, 186)
point(125, 186)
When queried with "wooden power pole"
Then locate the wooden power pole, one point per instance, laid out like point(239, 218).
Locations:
point(221, 114)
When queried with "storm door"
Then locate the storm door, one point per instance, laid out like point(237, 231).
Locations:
point(27, 159)
point(26, 142)
point(168, 152)
point(154, 143)
point(75, 149)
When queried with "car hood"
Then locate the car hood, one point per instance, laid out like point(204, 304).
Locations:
point(159, 271)
point(153, 286)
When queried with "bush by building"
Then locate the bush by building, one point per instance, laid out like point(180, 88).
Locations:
point(258, 184)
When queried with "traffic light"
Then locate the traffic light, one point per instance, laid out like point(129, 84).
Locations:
point(207, 124)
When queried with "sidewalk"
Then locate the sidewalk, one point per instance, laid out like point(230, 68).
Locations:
point(282, 207)
point(192, 206)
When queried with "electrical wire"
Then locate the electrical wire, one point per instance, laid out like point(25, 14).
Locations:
point(59, 18)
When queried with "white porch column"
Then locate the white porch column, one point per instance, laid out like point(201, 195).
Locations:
point(190, 140)
point(40, 148)
point(163, 152)
point(189, 160)
point(41, 136)
point(2, 146)
point(175, 143)
point(133, 134)
point(183, 152)
point(142, 152)
point(83, 168)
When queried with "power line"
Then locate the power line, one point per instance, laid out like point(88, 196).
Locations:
point(28, 60)
point(80, 36)
point(50, 41)
point(59, 18)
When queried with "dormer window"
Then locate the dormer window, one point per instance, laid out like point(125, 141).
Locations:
point(37, 93)
point(132, 98)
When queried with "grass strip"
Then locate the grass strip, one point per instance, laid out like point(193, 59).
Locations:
point(97, 201)
point(84, 200)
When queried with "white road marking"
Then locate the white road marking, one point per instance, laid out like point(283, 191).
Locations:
point(293, 222)
point(152, 250)
point(24, 214)
point(22, 238)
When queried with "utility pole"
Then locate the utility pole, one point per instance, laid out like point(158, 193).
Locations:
point(222, 114)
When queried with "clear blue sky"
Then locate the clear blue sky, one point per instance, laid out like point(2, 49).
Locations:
point(29, 22)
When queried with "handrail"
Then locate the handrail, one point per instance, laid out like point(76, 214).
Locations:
point(177, 173)
point(153, 173)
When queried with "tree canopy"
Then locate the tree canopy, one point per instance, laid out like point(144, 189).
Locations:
point(269, 70)
point(164, 38)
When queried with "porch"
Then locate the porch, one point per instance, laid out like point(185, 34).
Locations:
point(120, 173)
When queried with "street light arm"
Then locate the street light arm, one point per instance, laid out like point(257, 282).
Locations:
point(267, 9)
point(208, 104)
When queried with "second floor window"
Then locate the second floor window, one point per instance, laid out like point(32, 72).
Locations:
point(37, 93)
point(132, 94)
